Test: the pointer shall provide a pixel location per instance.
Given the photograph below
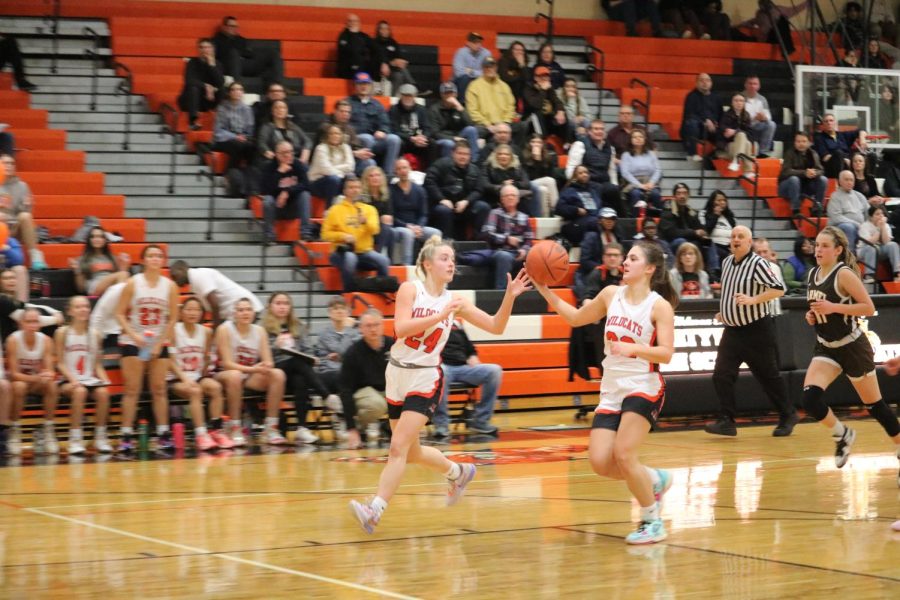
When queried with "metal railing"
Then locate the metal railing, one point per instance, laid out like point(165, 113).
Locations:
point(308, 272)
point(547, 16)
point(94, 76)
point(170, 127)
point(124, 89)
point(647, 97)
point(593, 70)
point(211, 209)
point(781, 43)
point(755, 182)
point(53, 20)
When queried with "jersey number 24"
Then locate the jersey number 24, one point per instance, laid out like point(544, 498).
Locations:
point(416, 341)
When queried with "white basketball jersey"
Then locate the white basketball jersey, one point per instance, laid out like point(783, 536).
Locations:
point(30, 360)
point(424, 348)
point(79, 352)
point(149, 309)
point(629, 323)
point(246, 349)
point(189, 351)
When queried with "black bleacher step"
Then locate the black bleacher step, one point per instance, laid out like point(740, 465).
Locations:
point(468, 246)
point(421, 55)
point(529, 303)
point(472, 278)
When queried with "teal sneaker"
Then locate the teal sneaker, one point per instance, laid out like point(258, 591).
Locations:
point(647, 533)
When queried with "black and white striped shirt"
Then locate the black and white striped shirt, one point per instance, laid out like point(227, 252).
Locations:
point(752, 276)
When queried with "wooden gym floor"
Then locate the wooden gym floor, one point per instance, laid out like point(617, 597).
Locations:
point(748, 517)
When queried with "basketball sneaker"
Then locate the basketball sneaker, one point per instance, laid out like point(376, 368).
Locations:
point(51, 445)
point(14, 441)
point(126, 443)
point(164, 441)
point(76, 446)
point(842, 446)
point(333, 403)
point(221, 439)
point(648, 532)
point(305, 436)
point(273, 437)
point(102, 445)
point(205, 442)
point(660, 489)
point(365, 514)
point(457, 487)
point(237, 435)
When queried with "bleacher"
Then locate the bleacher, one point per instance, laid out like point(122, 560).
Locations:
point(152, 39)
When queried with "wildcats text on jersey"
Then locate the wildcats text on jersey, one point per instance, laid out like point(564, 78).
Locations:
point(625, 323)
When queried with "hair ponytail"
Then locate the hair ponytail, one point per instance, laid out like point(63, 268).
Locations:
point(661, 280)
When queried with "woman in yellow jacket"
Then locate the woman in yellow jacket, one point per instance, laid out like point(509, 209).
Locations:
point(351, 226)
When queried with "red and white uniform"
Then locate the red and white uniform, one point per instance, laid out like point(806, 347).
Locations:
point(30, 360)
point(245, 350)
point(419, 351)
point(188, 351)
point(629, 376)
point(149, 310)
point(79, 353)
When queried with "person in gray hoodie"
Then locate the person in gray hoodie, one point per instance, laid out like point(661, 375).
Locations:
point(847, 207)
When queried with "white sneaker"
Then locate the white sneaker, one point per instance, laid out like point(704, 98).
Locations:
point(273, 437)
point(315, 401)
point(696, 158)
point(334, 404)
point(842, 446)
point(733, 166)
point(457, 487)
point(76, 446)
point(373, 432)
point(237, 435)
point(305, 436)
point(102, 445)
point(51, 445)
point(340, 427)
point(14, 442)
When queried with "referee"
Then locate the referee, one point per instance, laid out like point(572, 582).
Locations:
point(748, 284)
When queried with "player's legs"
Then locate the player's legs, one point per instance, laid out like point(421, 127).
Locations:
point(272, 383)
point(212, 389)
point(405, 432)
point(50, 395)
point(101, 405)
point(600, 453)
point(821, 373)
point(78, 396)
point(632, 432)
point(193, 393)
point(870, 393)
point(133, 380)
point(233, 384)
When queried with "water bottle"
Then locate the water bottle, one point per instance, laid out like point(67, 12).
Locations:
point(178, 435)
point(147, 348)
point(143, 436)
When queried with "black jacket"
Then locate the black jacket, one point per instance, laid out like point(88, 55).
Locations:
point(492, 179)
point(459, 348)
point(699, 106)
point(732, 120)
point(294, 182)
point(362, 367)
point(356, 52)
point(682, 225)
point(544, 103)
point(445, 180)
point(407, 123)
point(198, 72)
point(446, 123)
point(572, 198)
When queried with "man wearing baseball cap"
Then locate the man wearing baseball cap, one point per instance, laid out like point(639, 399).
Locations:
point(467, 62)
point(490, 100)
point(450, 120)
point(410, 121)
point(543, 106)
point(371, 123)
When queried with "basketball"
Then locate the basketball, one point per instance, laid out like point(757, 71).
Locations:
point(547, 263)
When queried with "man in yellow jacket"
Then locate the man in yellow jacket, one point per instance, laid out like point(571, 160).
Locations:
point(489, 100)
point(351, 226)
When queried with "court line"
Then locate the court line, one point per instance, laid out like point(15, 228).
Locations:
point(255, 494)
point(237, 559)
point(749, 556)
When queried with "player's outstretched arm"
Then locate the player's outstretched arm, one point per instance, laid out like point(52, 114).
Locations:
point(496, 323)
point(404, 323)
point(590, 312)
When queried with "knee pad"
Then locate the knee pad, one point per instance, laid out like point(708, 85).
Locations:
point(882, 413)
point(813, 403)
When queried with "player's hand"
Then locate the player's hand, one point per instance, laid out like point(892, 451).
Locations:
point(892, 366)
point(452, 307)
point(823, 307)
point(811, 317)
point(522, 283)
point(719, 318)
point(622, 349)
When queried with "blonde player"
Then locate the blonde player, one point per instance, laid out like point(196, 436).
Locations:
point(414, 380)
point(246, 361)
point(29, 354)
point(147, 313)
point(189, 357)
point(79, 348)
point(639, 335)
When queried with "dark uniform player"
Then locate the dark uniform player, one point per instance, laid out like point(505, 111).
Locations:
point(837, 298)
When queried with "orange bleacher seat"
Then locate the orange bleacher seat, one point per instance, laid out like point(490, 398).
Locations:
point(39, 139)
point(13, 99)
point(320, 251)
point(64, 183)
point(65, 206)
point(51, 160)
point(58, 255)
point(25, 118)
